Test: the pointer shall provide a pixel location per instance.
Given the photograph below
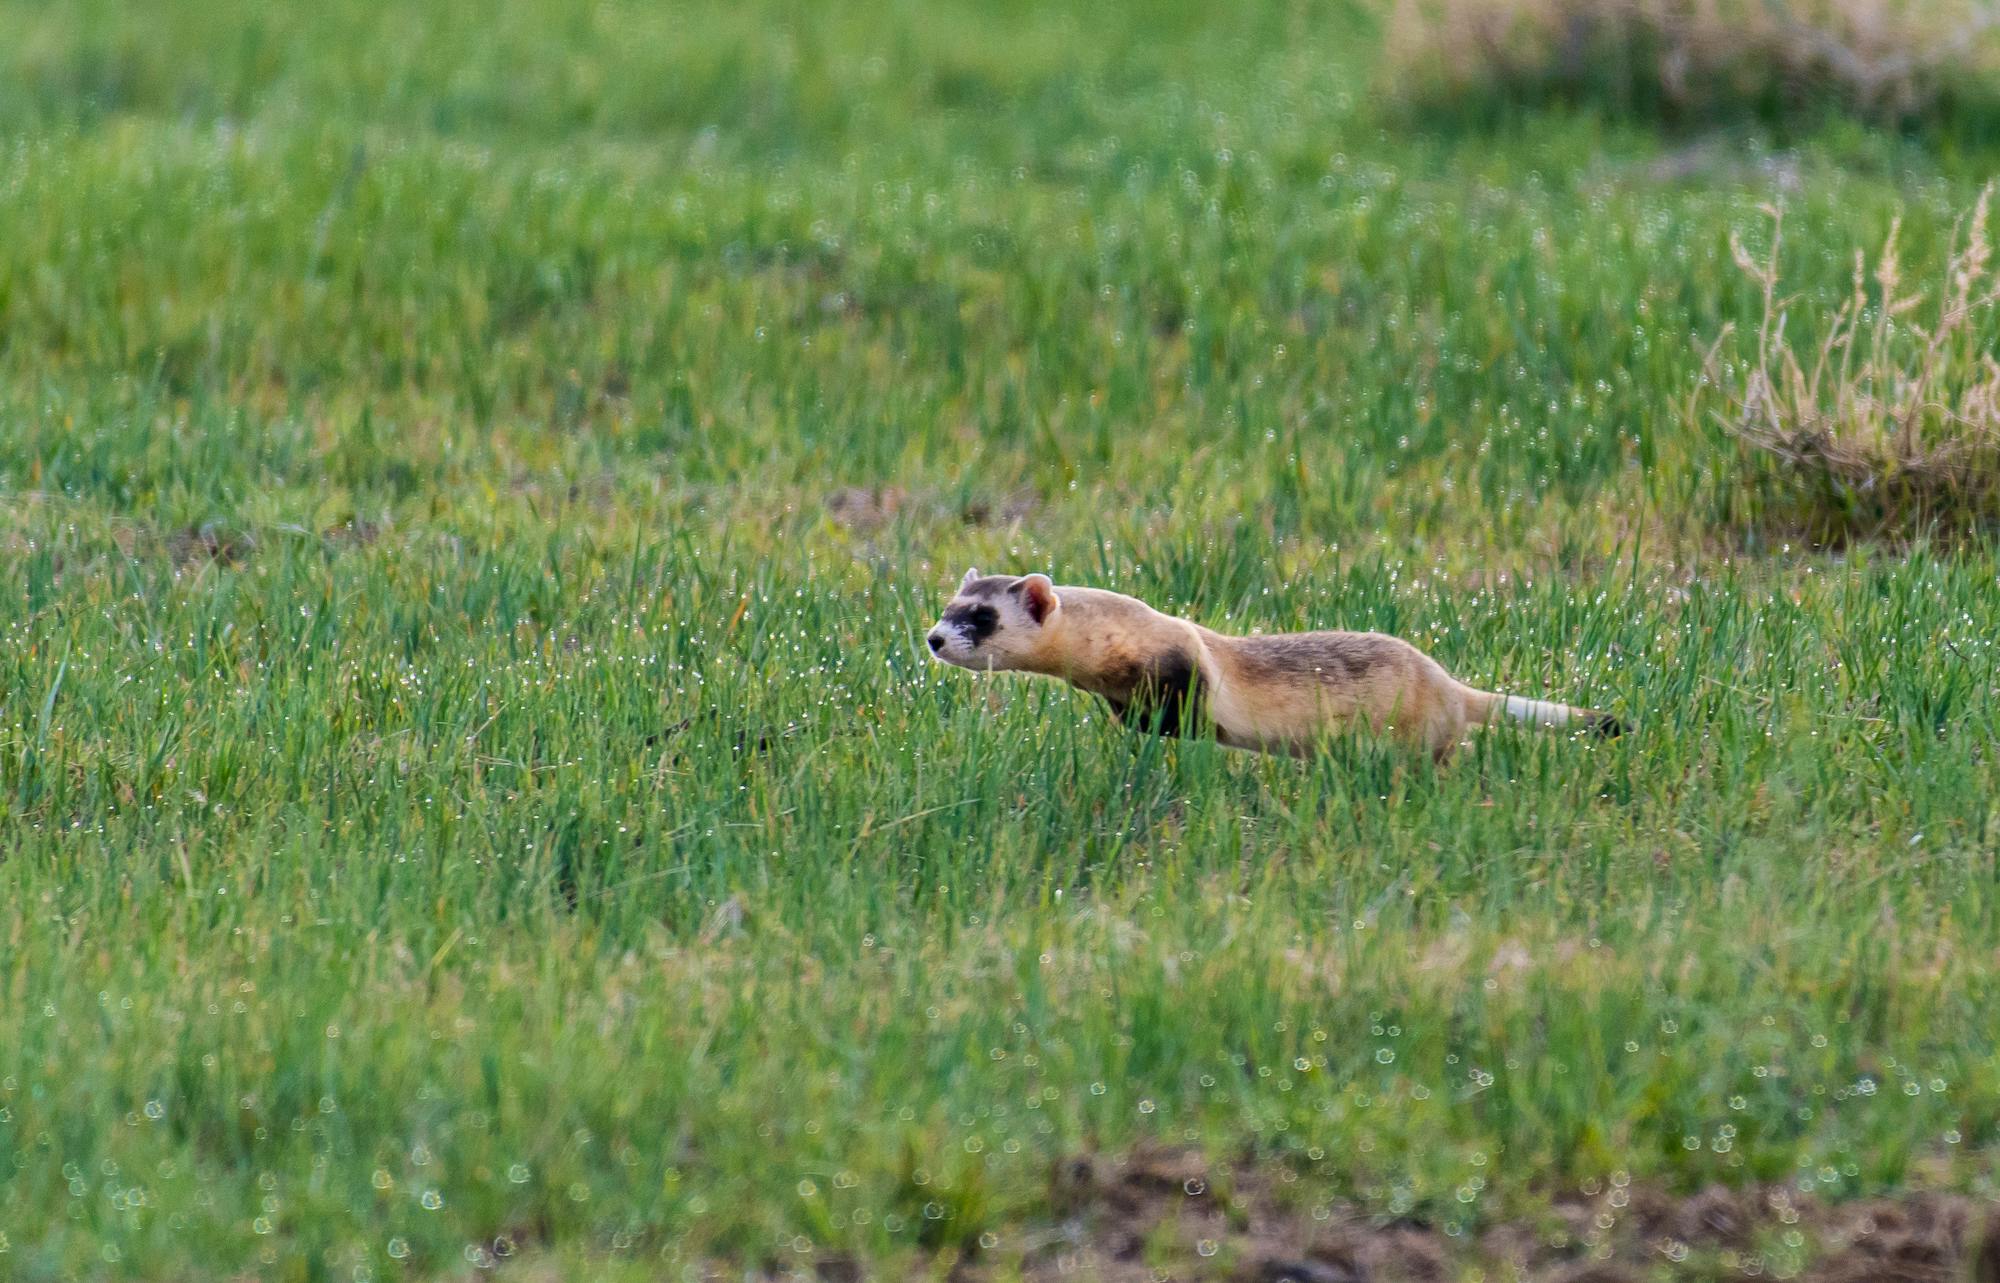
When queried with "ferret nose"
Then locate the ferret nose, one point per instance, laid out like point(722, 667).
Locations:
point(937, 642)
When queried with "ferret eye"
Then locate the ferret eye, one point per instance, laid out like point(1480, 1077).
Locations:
point(978, 622)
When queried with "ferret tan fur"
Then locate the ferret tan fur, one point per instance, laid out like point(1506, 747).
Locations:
point(1284, 693)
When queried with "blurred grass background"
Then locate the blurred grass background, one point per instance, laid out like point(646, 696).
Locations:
point(409, 415)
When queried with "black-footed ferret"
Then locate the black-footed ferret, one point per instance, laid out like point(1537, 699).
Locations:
point(1278, 694)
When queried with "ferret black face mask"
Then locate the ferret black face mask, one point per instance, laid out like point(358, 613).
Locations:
point(994, 621)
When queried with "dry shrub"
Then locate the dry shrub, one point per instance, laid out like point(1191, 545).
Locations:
point(1689, 58)
point(1890, 423)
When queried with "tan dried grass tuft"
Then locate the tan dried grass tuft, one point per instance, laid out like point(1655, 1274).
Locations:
point(1688, 57)
point(1890, 423)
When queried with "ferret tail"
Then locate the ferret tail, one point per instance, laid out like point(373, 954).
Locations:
point(1484, 706)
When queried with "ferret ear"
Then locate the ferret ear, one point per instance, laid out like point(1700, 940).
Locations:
point(1038, 595)
point(966, 582)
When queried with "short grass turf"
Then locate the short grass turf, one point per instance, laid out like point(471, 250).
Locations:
point(473, 479)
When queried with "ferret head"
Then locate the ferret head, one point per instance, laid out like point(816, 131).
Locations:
point(996, 621)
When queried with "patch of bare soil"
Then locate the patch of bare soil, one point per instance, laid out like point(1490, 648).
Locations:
point(209, 543)
point(1161, 1215)
point(355, 532)
point(867, 510)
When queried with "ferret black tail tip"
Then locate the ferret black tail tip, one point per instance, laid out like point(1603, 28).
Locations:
point(1608, 727)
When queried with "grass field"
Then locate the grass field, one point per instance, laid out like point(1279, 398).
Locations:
point(473, 481)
